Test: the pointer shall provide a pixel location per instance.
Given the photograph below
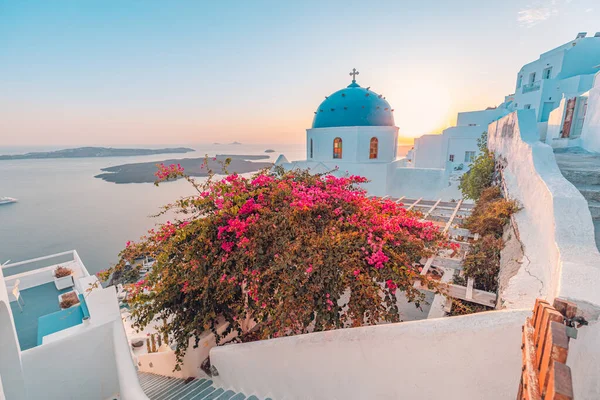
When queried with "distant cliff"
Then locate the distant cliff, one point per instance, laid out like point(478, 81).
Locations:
point(81, 152)
point(144, 172)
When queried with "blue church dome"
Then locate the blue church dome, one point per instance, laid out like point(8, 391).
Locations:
point(353, 106)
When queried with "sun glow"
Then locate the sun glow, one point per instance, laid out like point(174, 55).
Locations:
point(422, 107)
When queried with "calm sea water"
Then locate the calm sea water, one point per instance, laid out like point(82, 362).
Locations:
point(63, 207)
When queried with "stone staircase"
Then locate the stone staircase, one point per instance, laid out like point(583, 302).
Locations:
point(582, 169)
point(158, 387)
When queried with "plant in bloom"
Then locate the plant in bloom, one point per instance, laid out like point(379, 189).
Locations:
point(289, 251)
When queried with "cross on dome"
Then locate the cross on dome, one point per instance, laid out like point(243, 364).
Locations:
point(353, 74)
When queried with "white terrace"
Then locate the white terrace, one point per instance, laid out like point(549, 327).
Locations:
point(48, 353)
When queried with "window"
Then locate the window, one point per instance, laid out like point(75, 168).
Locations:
point(337, 147)
point(469, 156)
point(527, 106)
point(451, 158)
point(373, 148)
point(311, 148)
point(547, 73)
point(532, 77)
point(519, 81)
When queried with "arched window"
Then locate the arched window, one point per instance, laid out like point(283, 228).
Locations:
point(373, 148)
point(337, 147)
point(311, 148)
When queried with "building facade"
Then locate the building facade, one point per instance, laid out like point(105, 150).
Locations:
point(555, 86)
point(353, 132)
point(563, 72)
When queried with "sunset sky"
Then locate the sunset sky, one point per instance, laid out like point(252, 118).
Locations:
point(178, 72)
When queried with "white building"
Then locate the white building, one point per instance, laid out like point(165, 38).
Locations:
point(354, 132)
point(545, 85)
point(456, 147)
point(563, 72)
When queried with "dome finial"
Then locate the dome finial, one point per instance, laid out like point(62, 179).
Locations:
point(353, 74)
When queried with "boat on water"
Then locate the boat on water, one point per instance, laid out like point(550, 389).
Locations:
point(7, 200)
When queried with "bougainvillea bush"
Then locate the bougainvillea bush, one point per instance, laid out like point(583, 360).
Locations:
point(289, 251)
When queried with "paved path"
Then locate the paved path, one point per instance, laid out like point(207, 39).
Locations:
point(582, 169)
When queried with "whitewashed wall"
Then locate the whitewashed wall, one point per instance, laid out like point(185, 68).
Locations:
point(80, 367)
point(557, 233)
point(590, 135)
point(462, 142)
point(555, 224)
point(481, 118)
point(355, 143)
point(12, 384)
point(555, 122)
point(379, 174)
point(428, 183)
point(472, 357)
point(584, 360)
point(433, 151)
point(429, 152)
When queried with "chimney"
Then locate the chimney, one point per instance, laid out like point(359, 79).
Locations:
point(597, 34)
point(581, 35)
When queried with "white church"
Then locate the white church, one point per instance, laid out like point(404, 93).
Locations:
point(353, 132)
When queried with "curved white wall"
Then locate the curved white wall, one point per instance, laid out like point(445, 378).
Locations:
point(555, 224)
point(355, 143)
point(557, 233)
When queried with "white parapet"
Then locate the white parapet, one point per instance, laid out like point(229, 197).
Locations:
point(555, 224)
point(471, 357)
point(557, 234)
point(39, 271)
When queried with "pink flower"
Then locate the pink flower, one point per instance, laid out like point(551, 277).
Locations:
point(227, 246)
point(391, 285)
point(309, 270)
point(185, 287)
point(356, 272)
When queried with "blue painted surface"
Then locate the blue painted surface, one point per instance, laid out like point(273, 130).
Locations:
point(59, 321)
point(353, 106)
point(84, 307)
point(158, 387)
point(39, 301)
point(582, 59)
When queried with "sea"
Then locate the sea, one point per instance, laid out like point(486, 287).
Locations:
point(63, 207)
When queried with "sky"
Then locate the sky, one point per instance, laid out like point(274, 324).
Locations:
point(116, 72)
